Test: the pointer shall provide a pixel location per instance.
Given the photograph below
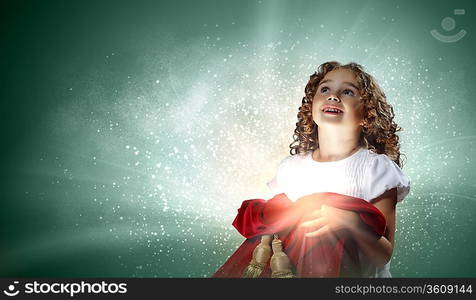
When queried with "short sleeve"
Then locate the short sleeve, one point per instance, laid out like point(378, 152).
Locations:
point(276, 184)
point(383, 175)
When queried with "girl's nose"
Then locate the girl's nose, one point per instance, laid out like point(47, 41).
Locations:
point(333, 98)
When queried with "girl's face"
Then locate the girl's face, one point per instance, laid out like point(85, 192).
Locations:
point(338, 89)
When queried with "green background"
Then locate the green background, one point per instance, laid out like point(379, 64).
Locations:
point(132, 131)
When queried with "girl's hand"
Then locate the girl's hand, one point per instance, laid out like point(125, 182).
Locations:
point(329, 219)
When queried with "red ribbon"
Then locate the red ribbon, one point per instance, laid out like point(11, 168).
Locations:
point(330, 256)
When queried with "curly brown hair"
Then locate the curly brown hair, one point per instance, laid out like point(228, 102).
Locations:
point(379, 130)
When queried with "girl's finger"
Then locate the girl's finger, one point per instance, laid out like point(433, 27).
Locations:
point(318, 233)
point(316, 214)
point(315, 223)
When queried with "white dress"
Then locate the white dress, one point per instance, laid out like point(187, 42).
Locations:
point(364, 174)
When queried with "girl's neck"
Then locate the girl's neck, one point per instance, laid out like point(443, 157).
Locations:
point(333, 147)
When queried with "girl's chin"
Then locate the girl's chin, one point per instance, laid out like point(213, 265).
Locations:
point(336, 124)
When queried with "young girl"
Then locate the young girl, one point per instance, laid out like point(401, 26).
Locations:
point(345, 144)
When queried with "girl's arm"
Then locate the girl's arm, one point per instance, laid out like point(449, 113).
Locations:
point(331, 220)
point(380, 250)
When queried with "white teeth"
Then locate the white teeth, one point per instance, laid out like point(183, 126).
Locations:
point(332, 110)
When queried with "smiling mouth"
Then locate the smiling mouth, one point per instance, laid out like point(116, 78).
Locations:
point(332, 111)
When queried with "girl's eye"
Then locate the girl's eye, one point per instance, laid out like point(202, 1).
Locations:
point(348, 93)
point(324, 89)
